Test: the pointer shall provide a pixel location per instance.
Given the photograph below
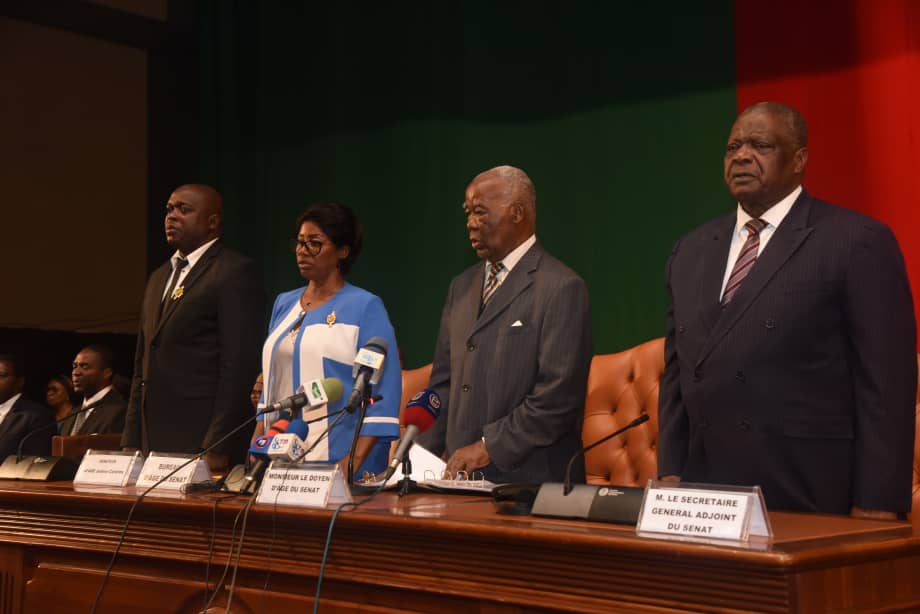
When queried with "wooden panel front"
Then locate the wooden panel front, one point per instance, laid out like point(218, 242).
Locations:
point(427, 553)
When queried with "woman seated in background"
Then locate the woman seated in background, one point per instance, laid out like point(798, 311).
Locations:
point(315, 332)
point(59, 396)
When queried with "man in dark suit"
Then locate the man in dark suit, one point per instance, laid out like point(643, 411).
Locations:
point(199, 340)
point(19, 416)
point(103, 409)
point(790, 357)
point(514, 347)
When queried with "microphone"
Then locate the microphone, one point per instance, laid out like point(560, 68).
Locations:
point(311, 394)
point(422, 409)
point(421, 412)
point(289, 446)
point(567, 484)
point(259, 449)
point(367, 368)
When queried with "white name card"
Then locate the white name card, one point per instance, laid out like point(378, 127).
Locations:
point(303, 485)
point(703, 511)
point(159, 465)
point(109, 468)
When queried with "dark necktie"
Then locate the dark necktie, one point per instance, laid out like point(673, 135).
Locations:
point(491, 284)
point(746, 259)
point(180, 264)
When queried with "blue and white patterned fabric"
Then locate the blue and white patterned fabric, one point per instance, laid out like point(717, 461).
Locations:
point(325, 346)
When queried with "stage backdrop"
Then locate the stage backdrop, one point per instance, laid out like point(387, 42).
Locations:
point(619, 113)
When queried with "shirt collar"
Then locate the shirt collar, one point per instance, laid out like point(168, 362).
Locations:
point(194, 256)
point(772, 216)
point(97, 397)
point(515, 255)
point(8, 404)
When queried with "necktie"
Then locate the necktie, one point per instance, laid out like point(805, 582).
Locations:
point(491, 284)
point(78, 421)
point(746, 259)
point(181, 263)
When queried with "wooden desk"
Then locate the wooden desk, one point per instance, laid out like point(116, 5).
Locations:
point(429, 553)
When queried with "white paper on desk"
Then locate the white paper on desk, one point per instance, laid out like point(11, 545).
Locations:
point(423, 463)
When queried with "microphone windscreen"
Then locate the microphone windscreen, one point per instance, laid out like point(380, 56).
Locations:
point(422, 409)
point(262, 442)
point(377, 343)
point(298, 427)
point(334, 389)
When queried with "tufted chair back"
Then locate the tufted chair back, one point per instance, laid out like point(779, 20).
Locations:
point(621, 387)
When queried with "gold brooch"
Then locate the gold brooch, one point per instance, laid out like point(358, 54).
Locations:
point(330, 319)
point(178, 292)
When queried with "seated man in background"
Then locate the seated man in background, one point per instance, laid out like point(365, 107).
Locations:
point(512, 356)
point(103, 408)
point(20, 416)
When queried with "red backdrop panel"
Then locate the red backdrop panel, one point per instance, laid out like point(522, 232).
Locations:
point(852, 68)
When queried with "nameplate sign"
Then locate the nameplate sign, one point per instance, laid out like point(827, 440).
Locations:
point(699, 511)
point(303, 485)
point(108, 468)
point(160, 465)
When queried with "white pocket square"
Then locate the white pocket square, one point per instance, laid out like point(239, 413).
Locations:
point(517, 323)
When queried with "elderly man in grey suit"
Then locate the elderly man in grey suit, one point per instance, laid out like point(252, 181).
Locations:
point(514, 347)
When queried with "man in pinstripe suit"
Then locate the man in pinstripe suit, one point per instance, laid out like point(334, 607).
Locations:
point(790, 357)
point(511, 361)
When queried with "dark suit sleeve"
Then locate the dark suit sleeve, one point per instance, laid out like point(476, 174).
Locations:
point(882, 331)
point(435, 438)
point(131, 436)
point(673, 425)
point(240, 320)
point(554, 405)
point(39, 428)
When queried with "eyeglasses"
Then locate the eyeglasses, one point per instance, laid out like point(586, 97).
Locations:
point(311, 246)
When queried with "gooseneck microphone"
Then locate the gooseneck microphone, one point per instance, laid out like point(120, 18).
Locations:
point(72, 414)
point(420, 413)
point(314, 393)
point(366, 370)
point(567, 484)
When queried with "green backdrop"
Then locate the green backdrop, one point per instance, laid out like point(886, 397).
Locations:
point(618, 112)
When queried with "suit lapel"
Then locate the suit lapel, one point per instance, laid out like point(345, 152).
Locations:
point(203, 264)
point(715, 256)
point(790, 235)
point(11, 419)
point(520, 277)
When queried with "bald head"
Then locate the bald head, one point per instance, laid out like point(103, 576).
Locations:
point(194, 216)
point(501, 211)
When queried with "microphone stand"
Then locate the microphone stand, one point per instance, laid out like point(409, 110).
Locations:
point(406, 484)
point(362, 412)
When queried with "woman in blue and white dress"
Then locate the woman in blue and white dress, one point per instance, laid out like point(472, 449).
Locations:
point(315, 332)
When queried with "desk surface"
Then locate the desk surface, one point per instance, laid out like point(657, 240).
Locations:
point(444, 553)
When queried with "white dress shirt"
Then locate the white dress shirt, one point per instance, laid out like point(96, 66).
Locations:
point(772, 216)
point(508, 262)
point(7, 405)
point(192, 258)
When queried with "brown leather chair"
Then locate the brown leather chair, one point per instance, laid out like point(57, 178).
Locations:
point(621, 387)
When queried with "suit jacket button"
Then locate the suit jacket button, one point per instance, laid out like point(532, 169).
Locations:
point(770, 323)
point(470, 347)
point(744, 425)
point(697, 374)
point(739, 375)
point(466, 388)
point(681, 328)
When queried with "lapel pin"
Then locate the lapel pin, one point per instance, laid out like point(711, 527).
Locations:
point(330, 319)
point(178, 292)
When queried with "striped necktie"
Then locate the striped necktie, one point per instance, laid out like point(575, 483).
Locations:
point(491, 283)
point(746, 259)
